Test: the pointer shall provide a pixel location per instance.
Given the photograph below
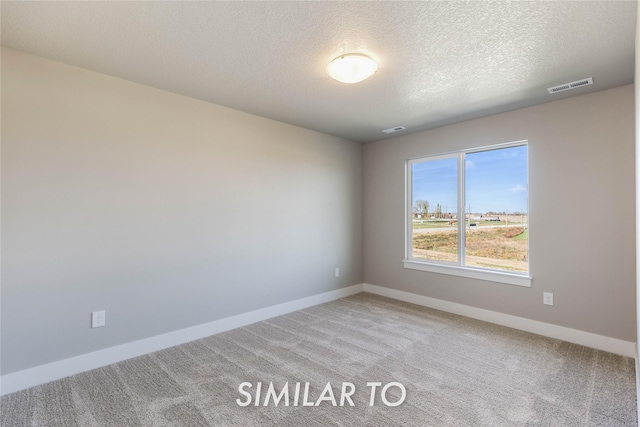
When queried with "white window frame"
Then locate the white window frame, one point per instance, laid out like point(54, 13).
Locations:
point(458, 268)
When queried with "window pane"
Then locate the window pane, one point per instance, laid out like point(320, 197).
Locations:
point(435, 204)
point(497, 231)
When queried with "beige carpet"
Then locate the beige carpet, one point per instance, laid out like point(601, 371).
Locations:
point(456, 372)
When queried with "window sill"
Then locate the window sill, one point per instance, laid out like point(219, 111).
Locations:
point(473, 273)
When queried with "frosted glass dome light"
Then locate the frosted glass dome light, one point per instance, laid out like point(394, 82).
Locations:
point(351, 68)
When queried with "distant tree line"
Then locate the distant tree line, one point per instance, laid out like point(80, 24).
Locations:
point(421, 208)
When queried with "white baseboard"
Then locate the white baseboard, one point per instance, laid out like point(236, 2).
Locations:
point(63, 368)
point(600, 342)
point(637, 381)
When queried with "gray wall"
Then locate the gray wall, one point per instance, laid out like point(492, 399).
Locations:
point(637, 164)
point(163, 210)
point(582, 212)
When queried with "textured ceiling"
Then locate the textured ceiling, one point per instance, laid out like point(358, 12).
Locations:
point(439, 62)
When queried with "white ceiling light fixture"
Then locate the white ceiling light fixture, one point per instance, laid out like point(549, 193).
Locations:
point(351, 68)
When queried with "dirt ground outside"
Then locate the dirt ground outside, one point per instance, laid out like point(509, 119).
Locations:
point(497, 248)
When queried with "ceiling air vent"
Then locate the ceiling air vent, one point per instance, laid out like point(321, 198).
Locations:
point(395, 129)
point(572, 85)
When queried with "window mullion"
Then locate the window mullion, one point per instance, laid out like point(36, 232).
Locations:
point(461, 211)
point(408, 247)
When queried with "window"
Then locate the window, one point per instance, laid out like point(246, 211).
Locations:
point(467, 214)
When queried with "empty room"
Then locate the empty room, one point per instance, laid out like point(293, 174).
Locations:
point(318, 213)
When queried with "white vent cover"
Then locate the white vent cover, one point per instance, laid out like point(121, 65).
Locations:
point(394, 129)
point(572, 85)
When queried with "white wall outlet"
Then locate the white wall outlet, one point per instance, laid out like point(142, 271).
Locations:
point(98, 318)
point(336, 273)
point(547, 298)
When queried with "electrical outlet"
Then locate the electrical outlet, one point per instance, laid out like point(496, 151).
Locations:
point(337, 272)
point(98, 318)
point(547, 298)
